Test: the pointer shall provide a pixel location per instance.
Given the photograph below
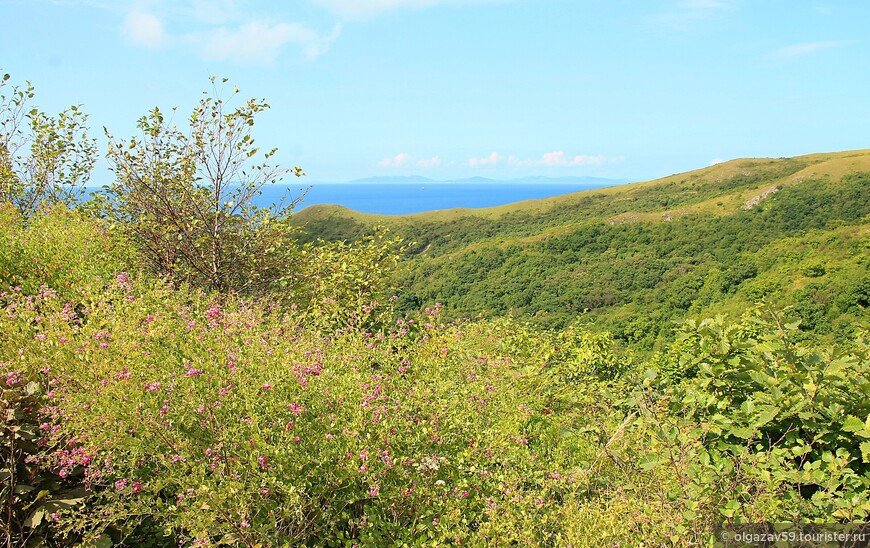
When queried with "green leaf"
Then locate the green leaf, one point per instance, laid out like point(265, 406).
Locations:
point(731, 507)
point(21, 488)
point(103, 541)
point(34, 519)
point(41, 495)
point(766, 416)
point(865, 451)
point(742, 433)
point(650, 461)
point(853, 424)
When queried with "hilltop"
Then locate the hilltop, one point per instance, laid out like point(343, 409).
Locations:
point(713, 239)
point(732, 183)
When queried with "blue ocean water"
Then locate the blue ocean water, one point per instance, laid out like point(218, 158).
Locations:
point(406, 198)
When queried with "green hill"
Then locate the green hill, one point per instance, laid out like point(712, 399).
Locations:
point(179, 371)
point(632, 258)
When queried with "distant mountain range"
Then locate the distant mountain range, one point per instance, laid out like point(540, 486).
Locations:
point(416, 179)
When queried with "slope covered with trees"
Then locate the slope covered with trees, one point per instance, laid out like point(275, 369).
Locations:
point(153, 395)
point(632, 259)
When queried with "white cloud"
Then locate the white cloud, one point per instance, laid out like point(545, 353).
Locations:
point(144, 29)
point(259, 42)
point(558, 158)
point(715, 161)
point(434, 161)
point(490, 160)
point(224, 31)
point(405, 160)
point(364, 8)
point(806, 48)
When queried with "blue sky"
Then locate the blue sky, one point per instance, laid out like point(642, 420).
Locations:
point(462, 88)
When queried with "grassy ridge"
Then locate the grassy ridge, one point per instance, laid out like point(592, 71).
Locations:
point(634, 257)
point(732, 183)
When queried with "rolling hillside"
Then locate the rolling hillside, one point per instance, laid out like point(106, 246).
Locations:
point(792, 231)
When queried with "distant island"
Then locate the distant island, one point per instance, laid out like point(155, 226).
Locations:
point(534, 179)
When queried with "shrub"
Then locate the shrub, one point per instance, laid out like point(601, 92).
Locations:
point(44, 160)
point(191, 421)
point(782, 421)
point(66, 251)
point(188, 199)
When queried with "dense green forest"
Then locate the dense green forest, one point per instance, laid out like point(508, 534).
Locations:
point(633, 260)
point(654, 364)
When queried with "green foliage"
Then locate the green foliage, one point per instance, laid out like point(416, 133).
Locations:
point(784, 420)
point(30, 493)
point(193, 422)
point(625, 273)
point(169, 416)
point(67, 251)
point(856, 297)
point(609, 254)
point(814, 270)
point(280, 398)
point(187, 198)
point(44, 159)
point(340, 284)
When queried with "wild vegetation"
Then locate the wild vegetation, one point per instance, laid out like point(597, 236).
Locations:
point(634, 260)
point(149, 400)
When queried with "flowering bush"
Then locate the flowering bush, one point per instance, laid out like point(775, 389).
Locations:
point(200, 421)
point(136, 412)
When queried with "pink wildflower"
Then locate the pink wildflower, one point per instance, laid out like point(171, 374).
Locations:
point(123, 280)
point(213, 313)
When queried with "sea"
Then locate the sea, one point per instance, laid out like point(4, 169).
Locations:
point(407, 198)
